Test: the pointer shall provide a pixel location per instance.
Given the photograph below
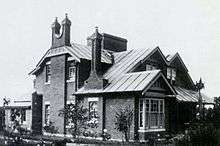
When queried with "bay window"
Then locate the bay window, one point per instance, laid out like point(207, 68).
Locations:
point(151, 114)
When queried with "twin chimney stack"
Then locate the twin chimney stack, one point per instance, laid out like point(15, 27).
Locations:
point(61, 37)
point(98, 42)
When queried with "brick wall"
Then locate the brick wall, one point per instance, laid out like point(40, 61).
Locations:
point(113, 105)
point(55, 91)
point(85, 103)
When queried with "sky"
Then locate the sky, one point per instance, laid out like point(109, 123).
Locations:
point(190, 27)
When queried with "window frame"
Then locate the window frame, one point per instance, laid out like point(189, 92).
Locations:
point(93, 109)
point(47, 113)
point(147, 125)
point(48, 72)
point(171, 73)
point(71, 67)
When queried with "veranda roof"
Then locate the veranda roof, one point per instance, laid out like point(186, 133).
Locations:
point(191, 96)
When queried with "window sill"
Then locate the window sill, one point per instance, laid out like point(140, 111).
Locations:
point(47, 83)
point(152, 130)
point(70, 81)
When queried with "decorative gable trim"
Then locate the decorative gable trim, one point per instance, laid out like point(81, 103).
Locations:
point(155, 79)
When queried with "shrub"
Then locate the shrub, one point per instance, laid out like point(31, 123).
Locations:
point(124, 118)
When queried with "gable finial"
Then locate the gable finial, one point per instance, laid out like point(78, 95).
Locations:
point(96, 29)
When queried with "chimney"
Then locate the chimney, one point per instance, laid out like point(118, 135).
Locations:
point(61, 38)
point(111, 43)
point(95, 80)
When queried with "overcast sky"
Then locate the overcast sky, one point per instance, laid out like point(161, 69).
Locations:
point(190, 27)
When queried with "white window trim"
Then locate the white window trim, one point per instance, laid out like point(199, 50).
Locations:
point(47, 103)
point(171, 75)
point(47, 82)
point(72, 79)
point(151, 128)
point(93, 99)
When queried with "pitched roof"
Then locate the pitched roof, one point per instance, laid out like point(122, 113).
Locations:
point(126, 61)
point(171, 57)
point(136, 81)
point(127, 82)
point(118, 75)
point(77, 51)
point(191, 96)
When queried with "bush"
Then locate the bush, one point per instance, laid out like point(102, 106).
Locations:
point(124, 118)
point(202, 134)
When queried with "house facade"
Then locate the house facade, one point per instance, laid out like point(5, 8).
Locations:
point(106, 76)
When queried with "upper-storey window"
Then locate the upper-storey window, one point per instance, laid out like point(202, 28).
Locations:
point(71, 71)
point(171, 73)
point(48, 72)
point(150, 67)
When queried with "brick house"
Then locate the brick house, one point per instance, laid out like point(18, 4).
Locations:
point(107, 76)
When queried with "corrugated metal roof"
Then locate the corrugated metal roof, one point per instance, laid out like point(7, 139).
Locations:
point(77, 51)
point(191, 96)
point(125, 62)
point(136, 81)
point(20, 104)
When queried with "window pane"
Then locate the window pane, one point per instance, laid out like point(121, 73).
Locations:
point(71, 70)
point(47, 114)
point(93, 109)
point(161, 106)
point(141, 113)
point(154, 106)
point(147, 106)
point(48, 72)
point(173, 74)
point(146, 120)
point(161, 120)
point(154, 120)
point(169, 72)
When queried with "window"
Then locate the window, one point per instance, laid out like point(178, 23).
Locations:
point(151, 114)
point(150, 67)
point(93, 108)
point(48, 72)
point(71, 71)
point(171, 73)
point(18, 115)
point(47, 114)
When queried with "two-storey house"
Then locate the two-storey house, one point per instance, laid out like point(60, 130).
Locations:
point(107, 76)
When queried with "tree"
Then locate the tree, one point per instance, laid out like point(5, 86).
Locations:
point(124, 118)
point(216, 112)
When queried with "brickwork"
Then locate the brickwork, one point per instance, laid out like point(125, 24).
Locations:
point(55, 91)
point(112, 106)
point(85, 103)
